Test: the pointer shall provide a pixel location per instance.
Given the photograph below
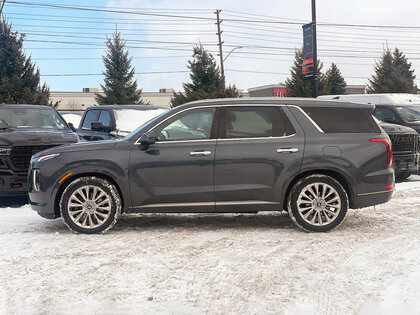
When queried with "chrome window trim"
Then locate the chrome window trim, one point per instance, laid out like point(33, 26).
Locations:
point(309, 118)
point(215, 106)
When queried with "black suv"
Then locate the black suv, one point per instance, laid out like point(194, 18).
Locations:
point(114, 121)
point(24, 131)
point(405, 149)
point(310, 157)
point(401, 114)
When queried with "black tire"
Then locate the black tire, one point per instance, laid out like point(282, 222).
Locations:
point(95, 200)
point(399, 177)
point(326, 213)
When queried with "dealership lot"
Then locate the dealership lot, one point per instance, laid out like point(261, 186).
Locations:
point(215, 263)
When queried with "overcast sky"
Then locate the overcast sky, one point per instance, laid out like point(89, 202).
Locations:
point(65, 41)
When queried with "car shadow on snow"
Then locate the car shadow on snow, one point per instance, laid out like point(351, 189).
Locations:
point(272, 220)
point(13, 202)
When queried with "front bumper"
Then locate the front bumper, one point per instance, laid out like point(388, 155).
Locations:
point(41, 201)
point(406, 162)
point(13, 184)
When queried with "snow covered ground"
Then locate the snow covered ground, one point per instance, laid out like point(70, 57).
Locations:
point(193, 264)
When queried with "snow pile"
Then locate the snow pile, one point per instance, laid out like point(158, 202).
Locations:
point(215, 263)
point(127, 120)
point(72, 118)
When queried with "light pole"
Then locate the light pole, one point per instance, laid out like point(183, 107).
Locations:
point(231, 52)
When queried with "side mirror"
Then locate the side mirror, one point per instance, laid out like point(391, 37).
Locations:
point(72, 127)
point(147, 139)
point(99, 126)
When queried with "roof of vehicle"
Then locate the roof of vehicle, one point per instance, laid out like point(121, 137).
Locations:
point(379, 98)
point(26, 106)
point(137, 107)
point(301, 102)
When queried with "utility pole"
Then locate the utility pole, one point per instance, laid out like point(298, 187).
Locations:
point(315, 91)
point(219, 34)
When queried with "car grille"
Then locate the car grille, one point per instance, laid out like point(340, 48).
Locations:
point(21, 155)
point(404, 143)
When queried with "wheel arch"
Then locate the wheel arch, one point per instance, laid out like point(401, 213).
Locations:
point(340, 177)
point(71, 178)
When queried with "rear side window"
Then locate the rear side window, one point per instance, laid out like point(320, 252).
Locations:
point(383, 113)
point(105, 118)
point(253, 122)
point(91, 116)
point(342, 120)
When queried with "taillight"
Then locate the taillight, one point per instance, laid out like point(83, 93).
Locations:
point(388, 146)
point(390, 186)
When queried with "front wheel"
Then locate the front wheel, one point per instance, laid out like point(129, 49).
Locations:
point(90, 205)
point(317, 203)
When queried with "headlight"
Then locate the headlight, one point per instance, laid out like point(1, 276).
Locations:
point(5, 150)
point(44, 157)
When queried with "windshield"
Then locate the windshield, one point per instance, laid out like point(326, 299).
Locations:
point(127, 120)
point(32, 118)
point(409, 113)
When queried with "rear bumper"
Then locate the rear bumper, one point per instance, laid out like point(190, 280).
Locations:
point(372, 199)
point(374, 189)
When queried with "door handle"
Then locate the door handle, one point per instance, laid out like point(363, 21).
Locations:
point(200, 153)
point(287, 150)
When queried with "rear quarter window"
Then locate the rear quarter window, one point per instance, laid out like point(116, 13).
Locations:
point(343, 120)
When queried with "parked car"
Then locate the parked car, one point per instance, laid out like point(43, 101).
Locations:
point(393, 110)
point(313, 158)
point(405, 149)
point(115, 121)
point(24, 131)
point(396, 108)
point(72, 117)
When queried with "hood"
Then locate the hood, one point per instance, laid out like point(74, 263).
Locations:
point(80, 146)
point(37, 137)
point(393, 128)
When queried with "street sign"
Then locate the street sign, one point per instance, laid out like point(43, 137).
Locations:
point(308, 59)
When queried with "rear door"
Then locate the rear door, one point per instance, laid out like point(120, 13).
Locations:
point(257, 150)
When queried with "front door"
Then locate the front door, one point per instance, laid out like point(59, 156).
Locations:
point(257, 150)
point(176, 173)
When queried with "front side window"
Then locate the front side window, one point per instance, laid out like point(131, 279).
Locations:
point(384, 114)
point(90, 117)
point(195, 124)
point(253, 122)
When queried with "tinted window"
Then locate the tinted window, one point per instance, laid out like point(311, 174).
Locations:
point(91, 116)
point(253, 122)
point(409, 113)
point(383, 113)
point(342, 120)
point(188, 125)
point(105, 118)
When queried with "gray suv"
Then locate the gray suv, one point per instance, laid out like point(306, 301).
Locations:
point(312, 158)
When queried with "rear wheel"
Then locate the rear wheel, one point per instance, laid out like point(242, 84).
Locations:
point(317, 203)
point(90, 205)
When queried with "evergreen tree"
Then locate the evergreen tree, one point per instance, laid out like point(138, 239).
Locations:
point(297, 86)
point(393, 74)
point(206, 81)
point(19, 77)
point(336, 83)
point(120, 86)
point(405, 82)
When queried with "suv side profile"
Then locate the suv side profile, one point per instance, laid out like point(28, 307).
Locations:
point(313, 158)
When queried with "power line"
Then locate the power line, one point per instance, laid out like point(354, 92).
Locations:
point(101, 74)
